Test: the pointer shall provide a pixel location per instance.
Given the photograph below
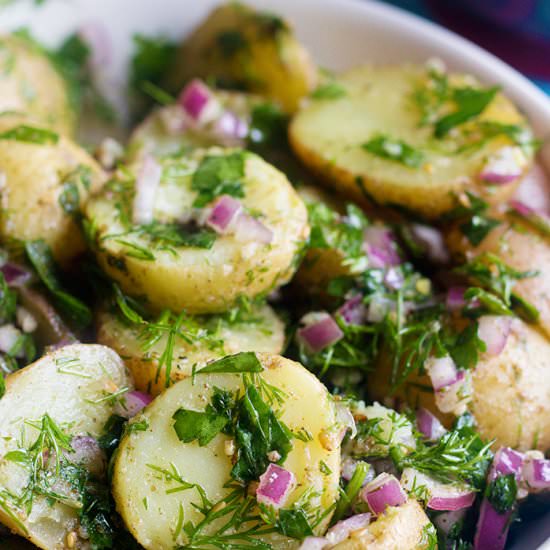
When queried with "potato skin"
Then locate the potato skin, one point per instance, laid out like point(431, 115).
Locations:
point(66, 391)
point(256, 51)
point(510, 391)
point(519, 245)
point(208, 280)
point(32, 181)
point(31, 84)
point(327, 136)
point(399, 528)
point(266, 334)
point(308, 406)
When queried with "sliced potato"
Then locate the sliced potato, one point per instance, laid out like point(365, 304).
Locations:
point(522, 247)
point(216, 337)
point(378, 102)
point(252, 50)
point(31, 84)
point(44, 180)
point(146, 497)
point(511, 391)
point(405, 527)
point(70, 386)
point(199, 280)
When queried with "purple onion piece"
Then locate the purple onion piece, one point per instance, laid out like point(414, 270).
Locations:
point(276, 483)
point(432, 241)
point(223, 213)
point(429, 425)
point(15, 275)
point(536, 473)
point(194, 98)
point(494, 331)
point(249, 229)
point(321, 334)
point(442, 372)
point(385, 490)
point(353, 311)
point(455, 298)
point(132, 403)
point(342, 530)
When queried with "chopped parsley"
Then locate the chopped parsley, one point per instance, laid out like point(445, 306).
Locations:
point(218, 175)
point(268, 126)
point(241, 362)
point(395, 150)
point(466, 347)
point(201, 426)
point(330, 90)
point(30, 134)
point(502, 493)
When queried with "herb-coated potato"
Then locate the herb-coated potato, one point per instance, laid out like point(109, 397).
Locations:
point(145, 496)
point(510, 391)
point(204, 339)
point(251, 50)
point(404, 527)
point(391, 109)
point(208, 277)
point(521, 246)
point(30, 83)
point(71, 386)
point(45, 179)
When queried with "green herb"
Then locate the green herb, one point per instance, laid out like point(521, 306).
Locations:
point(8, 300)
point(139, 426)
point(69, 199)
point(536, 220)
point(502, 493)
point(294, 523)
point(112, 433)
point(2, 385)
point(218, 175)
point(395, 150)
point(470, 102)
point(324, 468)
point(351, 491)
point(41, 258)
point(157, 94)
point(330, 90)
point(30, 134)
point(258, 432)
point(134, 250)
point(167, 235)
point(466, 348)
point(201, 426)
point(268, 126)
point(246, 361)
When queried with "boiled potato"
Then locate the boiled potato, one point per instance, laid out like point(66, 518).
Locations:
point(405, 527)
point(404, 164)
point(250, 50)
point(30, 83)
point(44, 181)
point(67, 390)
point(510, 391)
point(176, 276)
point(209, 338)
point(146, 497)
point(522, 247)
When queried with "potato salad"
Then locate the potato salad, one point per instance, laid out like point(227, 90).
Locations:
point(289, 309)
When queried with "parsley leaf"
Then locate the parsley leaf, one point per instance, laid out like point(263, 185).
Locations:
point(466, 348)
point(201, 426)
point(470, 102)
point(218, 175)
point(477, 228)
point(268, 126)
point(330, 90)
point(31, 134)
point(258, 431)
point(502, 492)
point(172, 234)
point(395, 150)
point(241, 362)
point(41, 257)
point(294, 523)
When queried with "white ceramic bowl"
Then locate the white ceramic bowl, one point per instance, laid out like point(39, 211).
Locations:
point(339, 33)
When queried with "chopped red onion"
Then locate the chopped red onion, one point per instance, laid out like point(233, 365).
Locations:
point(442, 496)
point(442, 371)
point(455, 298)
point(380, 247)
point(276, 483)
point(248, 229)
point(97, 38)
point(431, 239)
point(147, 182)
point(536, 473)
point(230, 128)
point(345, 419)
point(454, 397)
point(353, 311)
point(342, 530)
point(314, 543)
point(494, 330)
point(393, 279)
point(223, 214)
point(382, 492)
point(320, 334)
point(506, 461)
point(504, 167)
point(15, 275)
point(132, 403)
point(198, 102)
point(86, 451)
point(429, 425)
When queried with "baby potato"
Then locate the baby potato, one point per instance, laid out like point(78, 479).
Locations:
point(404, 527)
point(31, 84)
point(521, 246)
point(384, 136)
point(152, 464)
point(510, 391)
point(250, 50)
point(63, 395)
point(176, 264)
point(205, 339)
point(44, 181)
